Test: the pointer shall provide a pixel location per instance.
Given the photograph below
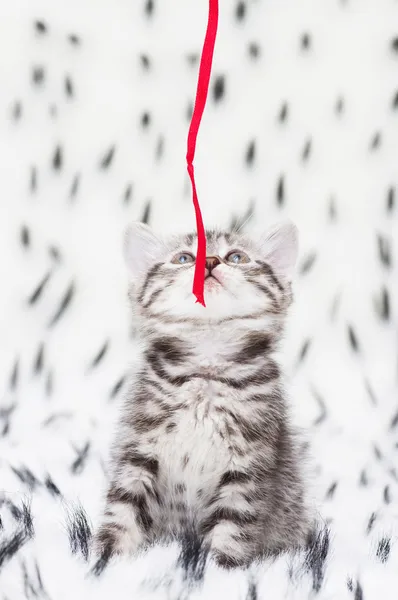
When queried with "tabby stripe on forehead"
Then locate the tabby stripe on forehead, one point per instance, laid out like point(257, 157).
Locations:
point(151, 274)
point(269, 271)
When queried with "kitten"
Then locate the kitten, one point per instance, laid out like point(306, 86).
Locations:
point(204, 439)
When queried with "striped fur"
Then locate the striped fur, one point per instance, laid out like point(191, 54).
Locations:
point(204, 439)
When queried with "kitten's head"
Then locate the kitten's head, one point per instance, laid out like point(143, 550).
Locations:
point(244, 275)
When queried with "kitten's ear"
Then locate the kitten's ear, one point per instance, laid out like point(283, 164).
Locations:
point(280, 248)
point(141, 247)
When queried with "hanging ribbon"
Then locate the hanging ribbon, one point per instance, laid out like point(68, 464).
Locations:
point(200, 102)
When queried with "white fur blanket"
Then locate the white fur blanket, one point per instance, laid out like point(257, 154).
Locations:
point(301, 123)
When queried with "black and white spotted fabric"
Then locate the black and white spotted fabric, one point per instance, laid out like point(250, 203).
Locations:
point(302, 122)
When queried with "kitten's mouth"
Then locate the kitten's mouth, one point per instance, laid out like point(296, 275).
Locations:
point(212, 281)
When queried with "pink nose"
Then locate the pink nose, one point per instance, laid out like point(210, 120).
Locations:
point(211, 262)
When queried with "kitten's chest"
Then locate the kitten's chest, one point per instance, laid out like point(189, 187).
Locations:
point(203, 443)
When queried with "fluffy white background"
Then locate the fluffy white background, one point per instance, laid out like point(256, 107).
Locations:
point(350, 171)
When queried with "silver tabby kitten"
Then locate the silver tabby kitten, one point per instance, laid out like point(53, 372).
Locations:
point(204, 440)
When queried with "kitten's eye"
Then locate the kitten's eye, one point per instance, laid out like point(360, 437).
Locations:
point(237, 257)
point(183, 258)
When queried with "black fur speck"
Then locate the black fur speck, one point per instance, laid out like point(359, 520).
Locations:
point(316, 555)
point(117, 387)
point(371, 522)
point(305, 155)
point(358, 592)
point(384, 247)
point(384, 309)
point(16, 111)
point(308, 262)
point(14, 375)
point(383, 549)
point(81, 458)
point(370, 393)
point(159, 148)
point(26, 476)
point(363, 480)
point(107, 159)
point(331, 491)
point(240, 10)
point(55, 253)
point(387, 495)
point(58, 159)
point(25, 236)
point(38, 75)
point(79, 531)
point(305, 41)
point(149, 8)
point(189, 110)
point(390, 200)
point(64, 304)
point(254, 50)
point(146, 215)
point(339, 106)
point(219, 88)
point(394, 421)
point(40, 27)
point(128, 193)
point(352, 337)
point(280, 191)
point(100, 355)
point(33, 180)
point(304, 350)
point(9, 546)
point(250, 153)
point(74, 39)
point(332, 210)
point(145, 62)
point(394, 102)
point(51, 487)
point(69, 87)
point(145, 119)
point(39, 360)
point(394, 44)
point(322, 407)
point(375, 141)
point(192, 59)
point(39, 289)
point(74, 188)
point(49, 384)
point(252, 593)
point(283, 113)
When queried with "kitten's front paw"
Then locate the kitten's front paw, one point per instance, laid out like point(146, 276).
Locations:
point(226, 549)
point(114, 540)
point(227, 561)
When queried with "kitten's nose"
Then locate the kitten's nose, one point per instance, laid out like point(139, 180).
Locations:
point(211, 262)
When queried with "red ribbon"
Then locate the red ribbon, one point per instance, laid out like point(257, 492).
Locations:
point(201, 97)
